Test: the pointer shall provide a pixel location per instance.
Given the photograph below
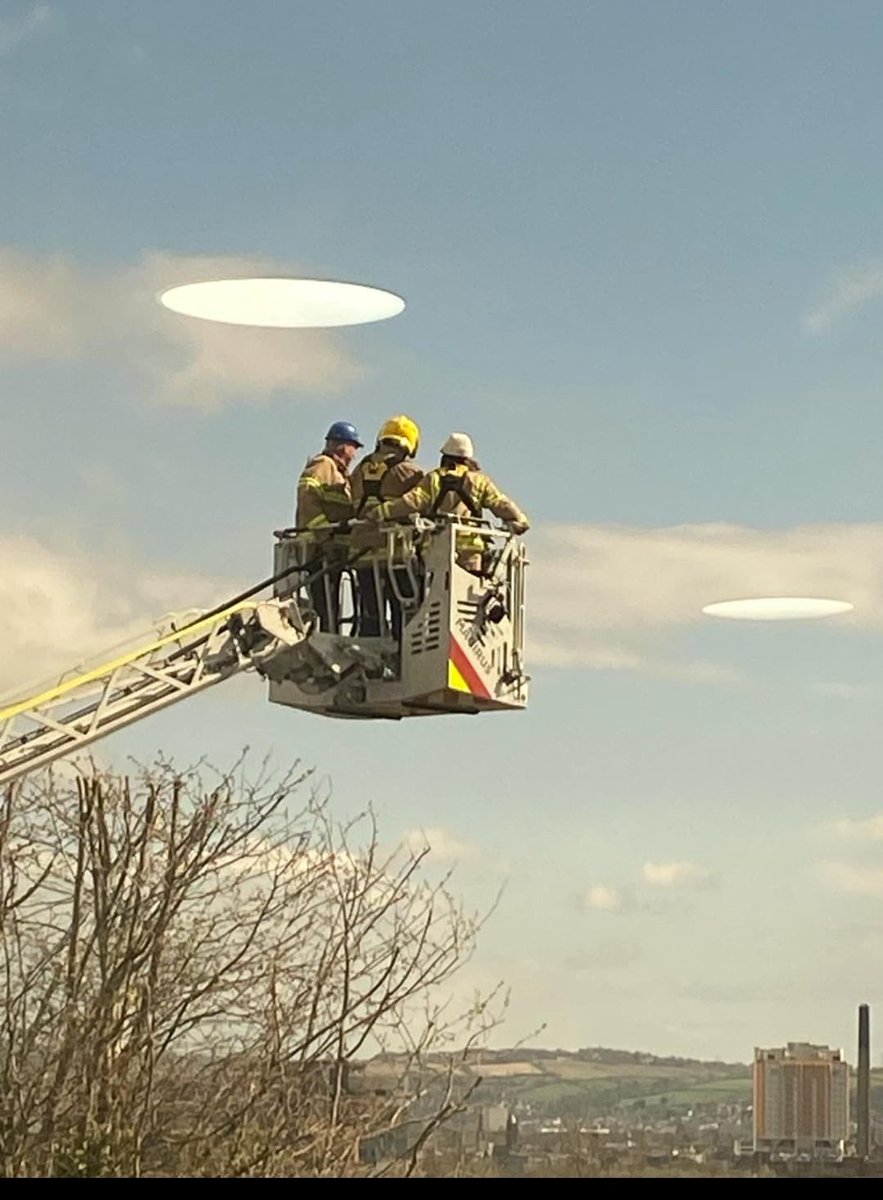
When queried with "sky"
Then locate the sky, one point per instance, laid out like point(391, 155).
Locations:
point(641, 248)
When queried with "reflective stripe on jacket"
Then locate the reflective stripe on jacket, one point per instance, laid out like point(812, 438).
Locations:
point(323, 497)
point(461, 491)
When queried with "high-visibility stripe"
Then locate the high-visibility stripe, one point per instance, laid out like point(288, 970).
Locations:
point(71, 685)
point(458, 659)
point(456, 680)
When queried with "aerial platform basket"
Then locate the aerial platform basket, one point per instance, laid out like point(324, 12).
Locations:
point(462, 637)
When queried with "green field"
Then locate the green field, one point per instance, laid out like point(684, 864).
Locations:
point(569, 1085)
point(562, 1084)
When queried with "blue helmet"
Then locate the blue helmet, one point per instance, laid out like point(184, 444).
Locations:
point(343, 431)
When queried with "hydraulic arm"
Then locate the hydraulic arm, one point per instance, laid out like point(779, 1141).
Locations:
point(40, 728)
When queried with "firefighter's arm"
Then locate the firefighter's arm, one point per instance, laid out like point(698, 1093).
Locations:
point(327, 493)
point(503, 508)
point(408, 476)
point(417, 500)
point(357, 487)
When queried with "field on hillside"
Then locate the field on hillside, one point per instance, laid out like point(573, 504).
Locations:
point(569, 1085)
point(562, 1084)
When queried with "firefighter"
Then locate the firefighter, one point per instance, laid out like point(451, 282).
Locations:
point(387, 473)
point(458, 486)
point(324, 505)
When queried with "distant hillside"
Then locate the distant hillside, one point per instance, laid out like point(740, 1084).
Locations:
point(594, 1081)
point(597, 1081)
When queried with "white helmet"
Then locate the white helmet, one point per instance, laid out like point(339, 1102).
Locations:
point(458, 445)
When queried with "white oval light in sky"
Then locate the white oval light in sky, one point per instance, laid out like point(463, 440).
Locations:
point(278, 303)
point(777, 608)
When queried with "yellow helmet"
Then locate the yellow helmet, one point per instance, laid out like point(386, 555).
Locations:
point(402, 430)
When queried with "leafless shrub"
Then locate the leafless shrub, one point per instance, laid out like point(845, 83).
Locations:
point(194, 971)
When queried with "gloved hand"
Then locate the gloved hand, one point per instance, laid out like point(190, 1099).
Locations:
point(375, 514)
point(517, 527)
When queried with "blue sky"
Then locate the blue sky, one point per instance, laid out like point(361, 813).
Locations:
point(641, 246)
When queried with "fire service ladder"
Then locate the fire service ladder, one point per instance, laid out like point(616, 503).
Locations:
point(58, 721)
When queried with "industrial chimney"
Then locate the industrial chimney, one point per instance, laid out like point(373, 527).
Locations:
point(863, 1139)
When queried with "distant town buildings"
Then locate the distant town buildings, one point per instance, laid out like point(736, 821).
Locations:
point(801, 1101)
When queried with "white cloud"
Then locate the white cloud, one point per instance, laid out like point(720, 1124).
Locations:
point(262, 856)
point(851, 291)
point(866, 829)
point(675, 874)
point(54, 309)
point(613, 597)
point(853, 880)
point(443, 846)
point(42, 309)
point(604, 898)
point(14, 31)
point(607, 598)
point(64, 608)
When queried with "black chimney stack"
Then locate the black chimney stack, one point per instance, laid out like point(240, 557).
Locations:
point(863, 1140)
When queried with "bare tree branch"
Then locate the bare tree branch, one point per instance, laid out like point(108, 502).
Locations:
point(196, 968)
